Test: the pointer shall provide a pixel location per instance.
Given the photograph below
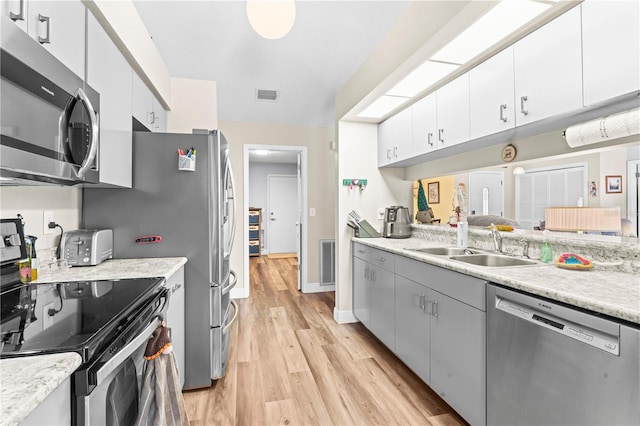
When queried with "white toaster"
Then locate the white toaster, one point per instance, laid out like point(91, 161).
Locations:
point(87, 247)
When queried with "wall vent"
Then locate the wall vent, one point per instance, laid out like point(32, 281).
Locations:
point(267, 95)
point(327, 262)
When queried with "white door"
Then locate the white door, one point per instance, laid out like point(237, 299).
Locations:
point(486, 193)
point(282, 213)
point(300, 218)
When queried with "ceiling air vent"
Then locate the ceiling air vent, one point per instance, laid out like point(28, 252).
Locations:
point(267, 95)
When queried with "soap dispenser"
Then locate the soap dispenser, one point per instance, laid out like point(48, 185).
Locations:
point(546, 255)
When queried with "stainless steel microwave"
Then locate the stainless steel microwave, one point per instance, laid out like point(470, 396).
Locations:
point(48, 117)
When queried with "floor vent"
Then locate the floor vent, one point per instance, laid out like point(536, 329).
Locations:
point(267, 95)
point(327, 262)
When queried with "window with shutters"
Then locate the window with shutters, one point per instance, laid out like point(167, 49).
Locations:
point(553, 187)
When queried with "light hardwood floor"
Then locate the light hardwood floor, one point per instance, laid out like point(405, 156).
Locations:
point(292, 364)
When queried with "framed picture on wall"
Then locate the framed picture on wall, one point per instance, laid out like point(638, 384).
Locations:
point(433, 189)
point(614, 184)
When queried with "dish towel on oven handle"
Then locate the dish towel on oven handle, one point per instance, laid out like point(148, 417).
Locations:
point(161, 401)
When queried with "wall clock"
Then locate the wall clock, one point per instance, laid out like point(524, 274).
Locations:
point(508, 153)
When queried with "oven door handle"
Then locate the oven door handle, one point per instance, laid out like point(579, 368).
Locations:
point(233, 318)
point(127, 351)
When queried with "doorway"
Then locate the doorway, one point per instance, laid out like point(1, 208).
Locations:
point(633, 200)
point(486, 193)
point(275, 179)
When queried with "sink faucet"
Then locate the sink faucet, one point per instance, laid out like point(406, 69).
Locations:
point(497, 238)
point(525, 248)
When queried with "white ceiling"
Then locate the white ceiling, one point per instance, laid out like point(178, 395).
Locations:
point(212, 40)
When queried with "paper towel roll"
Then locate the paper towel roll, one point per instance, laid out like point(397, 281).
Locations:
point(604, 129)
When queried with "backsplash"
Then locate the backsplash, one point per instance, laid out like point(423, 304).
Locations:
point(607, 253)
point(65, 203)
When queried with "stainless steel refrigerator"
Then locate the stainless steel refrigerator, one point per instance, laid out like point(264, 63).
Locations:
point(182, 204)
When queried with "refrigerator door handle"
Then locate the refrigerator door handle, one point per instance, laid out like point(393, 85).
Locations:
point(233, 200)
point(232, 283)
point(235, 315)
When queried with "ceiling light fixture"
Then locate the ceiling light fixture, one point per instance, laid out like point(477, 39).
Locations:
point(382, 106)
point(271, 19)
point(261, 152)
point(518, 171)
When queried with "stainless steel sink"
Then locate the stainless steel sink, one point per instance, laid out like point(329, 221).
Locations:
point(494, 260)
point(447, 251)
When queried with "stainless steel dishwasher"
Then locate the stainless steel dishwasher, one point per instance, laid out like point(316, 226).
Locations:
point(550, 364)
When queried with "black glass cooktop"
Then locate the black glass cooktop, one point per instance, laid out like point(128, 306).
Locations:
point(76, 316)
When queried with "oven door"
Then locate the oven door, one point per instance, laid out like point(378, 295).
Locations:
point(114, 400)
point(50, 129)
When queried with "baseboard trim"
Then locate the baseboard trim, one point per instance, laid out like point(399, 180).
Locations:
point(239, 293)
point(317, 288)
point(344, 317)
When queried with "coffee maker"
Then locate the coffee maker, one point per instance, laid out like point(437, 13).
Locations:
point(397, 222)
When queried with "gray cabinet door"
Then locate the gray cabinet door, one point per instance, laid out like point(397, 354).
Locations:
point(383, 305)
point(412, 326)
point(361, 291)
point(458, 356)
point(175, 319)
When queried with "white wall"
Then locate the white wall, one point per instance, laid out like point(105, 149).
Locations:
point(357, 159)
point(258, 183)
point(30, 201)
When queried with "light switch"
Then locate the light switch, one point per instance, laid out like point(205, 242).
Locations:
point(312, 211)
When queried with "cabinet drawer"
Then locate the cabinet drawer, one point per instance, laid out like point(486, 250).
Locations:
point(383, 259)
point(254, 247)
point(469, 290)
point(254, 217)
point(362, 252)
point(254, 232)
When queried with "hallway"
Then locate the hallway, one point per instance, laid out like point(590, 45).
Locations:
point(291, 363)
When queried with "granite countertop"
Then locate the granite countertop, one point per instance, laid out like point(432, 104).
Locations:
point(612, 293)
point(27, 381)
point(113, 269)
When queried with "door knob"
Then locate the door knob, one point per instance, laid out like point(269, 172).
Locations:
point(273, 218)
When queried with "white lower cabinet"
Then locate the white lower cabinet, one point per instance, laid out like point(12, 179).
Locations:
point(55, 409)
point(361, 291)
point(175, 318)
point(433, 319)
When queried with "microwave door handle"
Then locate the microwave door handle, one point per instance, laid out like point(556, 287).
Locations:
point(93, 147)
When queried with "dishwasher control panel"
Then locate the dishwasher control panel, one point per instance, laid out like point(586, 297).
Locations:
point(607, 342)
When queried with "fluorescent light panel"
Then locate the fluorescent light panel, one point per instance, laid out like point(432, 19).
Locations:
point(383, 105)
point(502, 20)
point(421, 78)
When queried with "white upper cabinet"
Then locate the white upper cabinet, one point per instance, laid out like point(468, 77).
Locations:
point(146, 109)
point(548, 70)
point(425, 125)
point(453, 112)
point(59, 25)
point(109, 73)
point(611, 49)
point(491, 95)
point(394, 138)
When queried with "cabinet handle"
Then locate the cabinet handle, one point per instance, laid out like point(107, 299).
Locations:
point(523, 99)
point(151, 117)
point(361, 251)
point(47, 21)
point(422, 302)
point(395, 151)
point(388, 154)
point(366, 274)
point(381, 259)
point(373, 276)
point(503, 108)
point(429, 136)
point(434, 308)
point(441, 135)
point(20, 15)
